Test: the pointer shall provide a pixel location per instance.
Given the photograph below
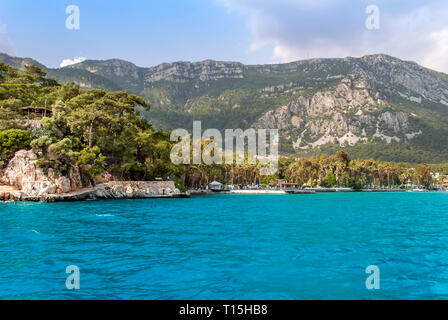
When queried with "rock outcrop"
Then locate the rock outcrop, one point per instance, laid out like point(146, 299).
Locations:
point(23, 179)
point(135, 189)
point(8, 193)
point(110, 190)
point(24, 173)
point(348, 113)
point(207, 70)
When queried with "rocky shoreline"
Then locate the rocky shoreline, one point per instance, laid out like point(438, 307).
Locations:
point(110, 190)
point(24, 180)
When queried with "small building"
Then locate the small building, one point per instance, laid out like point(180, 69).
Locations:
point(35, 111)
point(215, 186)
point(287, 185)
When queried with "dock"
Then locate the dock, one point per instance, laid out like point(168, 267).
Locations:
point(255, 191)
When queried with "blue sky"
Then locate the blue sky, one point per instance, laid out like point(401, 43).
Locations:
point(251, 31)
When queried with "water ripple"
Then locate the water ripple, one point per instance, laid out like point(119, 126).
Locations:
point(228, 247)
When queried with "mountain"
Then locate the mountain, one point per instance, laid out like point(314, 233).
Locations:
point(374, 106)
point(19, 63)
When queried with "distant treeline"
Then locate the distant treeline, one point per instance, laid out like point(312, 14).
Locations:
point(337, 170)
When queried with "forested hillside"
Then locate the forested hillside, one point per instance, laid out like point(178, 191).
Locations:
point(97, 130)
point(376, 106)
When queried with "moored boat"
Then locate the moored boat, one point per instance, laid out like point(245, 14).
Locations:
point(300, 191)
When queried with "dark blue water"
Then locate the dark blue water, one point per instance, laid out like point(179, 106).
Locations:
point(228, 247)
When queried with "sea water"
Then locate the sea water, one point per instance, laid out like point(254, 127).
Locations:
point(310, 246)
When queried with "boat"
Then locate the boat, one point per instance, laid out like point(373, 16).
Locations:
point(344, 189)
point(300, 191)
point(220, 190)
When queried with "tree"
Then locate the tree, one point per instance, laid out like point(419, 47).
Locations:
point(423, 175)
point(11, 141)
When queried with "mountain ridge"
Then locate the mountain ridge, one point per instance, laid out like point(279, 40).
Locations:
point(374, 106)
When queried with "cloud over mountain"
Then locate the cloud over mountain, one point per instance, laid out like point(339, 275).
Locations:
point(69, 62)
point(299, 29)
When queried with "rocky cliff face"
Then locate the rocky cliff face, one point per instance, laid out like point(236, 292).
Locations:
point(181, 72)
point(135, 190)
point(381, 71)
point(116, 67)
point(23, 179)
point(177, 72)
point(348, 113)
point(23, 173)
point(406, 78)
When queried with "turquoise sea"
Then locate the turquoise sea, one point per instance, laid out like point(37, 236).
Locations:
point(314, 246)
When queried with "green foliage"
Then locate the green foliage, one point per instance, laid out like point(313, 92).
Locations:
point(90, 156)
point(62, 149)
point(98, 130)
point(423, 175)
point(329, 180)
point(11, 141)
point(41, 143)
point(46, 164)
point(92, 162)
point(412, 152)
point(337, 170)
point(180, 186)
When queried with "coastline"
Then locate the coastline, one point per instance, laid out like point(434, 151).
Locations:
point(110, 190)
point(297, 191)
point(117, 190)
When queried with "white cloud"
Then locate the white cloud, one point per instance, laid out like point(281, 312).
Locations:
point(69, 62)
point(437, 57)
point(7, 46)
point(299, 29)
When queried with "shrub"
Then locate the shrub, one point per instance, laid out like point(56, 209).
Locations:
point(181, 187)
point(91, 161)
point(41, 143)
point(11, 141)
